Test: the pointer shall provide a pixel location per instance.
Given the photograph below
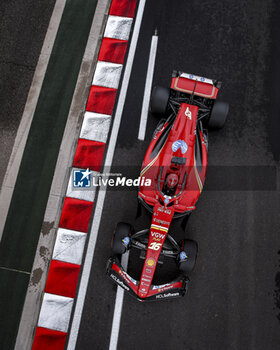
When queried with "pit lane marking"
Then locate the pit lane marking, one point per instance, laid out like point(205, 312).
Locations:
point(118, 309)
point(148, 88)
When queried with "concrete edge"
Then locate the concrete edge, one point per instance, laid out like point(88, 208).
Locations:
point(28, 113)
point(46, 241)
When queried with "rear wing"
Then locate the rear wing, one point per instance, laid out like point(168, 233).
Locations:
point(194, 84)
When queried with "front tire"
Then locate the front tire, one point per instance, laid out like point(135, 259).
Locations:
point(122, 231)
point(187, 257)
point(218, 115)
point(159, 100)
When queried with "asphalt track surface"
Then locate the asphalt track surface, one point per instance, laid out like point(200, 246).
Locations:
point(232, 297)
point(22, 31)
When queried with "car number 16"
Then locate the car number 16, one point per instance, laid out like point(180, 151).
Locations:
point(155, 246)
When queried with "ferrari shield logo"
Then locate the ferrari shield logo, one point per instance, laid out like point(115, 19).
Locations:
point(188, 113)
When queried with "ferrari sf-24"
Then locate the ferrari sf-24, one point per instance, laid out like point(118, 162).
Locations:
point(176, 162)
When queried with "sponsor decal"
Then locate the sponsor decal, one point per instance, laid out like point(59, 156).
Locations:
point(150, 262)
point(119, 281)
point(128, 278)
point(163, 287)
point(162, 222)
point(124, 276)
point(81, 178)
point(133, 280)
point(145, 284)
point(180, 144)
point(166, 287)
point(164, 210)
point(145, 279)
point(157, 235)
point(167, 295)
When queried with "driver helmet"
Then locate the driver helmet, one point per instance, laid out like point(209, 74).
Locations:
point(171, 180)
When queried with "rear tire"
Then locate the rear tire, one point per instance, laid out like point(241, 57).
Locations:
point(122, 230)
point(159, 100)
point(218, 115)
point(189, 247)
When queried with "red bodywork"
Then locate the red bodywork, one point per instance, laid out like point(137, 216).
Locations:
point(172, 151)
point(183, 129)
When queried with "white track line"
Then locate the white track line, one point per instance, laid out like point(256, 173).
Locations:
point(101, 195)
point(118, 309)
point(148, 88)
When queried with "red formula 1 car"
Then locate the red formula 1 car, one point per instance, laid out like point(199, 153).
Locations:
point(175, 162)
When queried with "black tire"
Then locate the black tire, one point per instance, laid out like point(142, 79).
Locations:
point(159, 100)
point(190, 248)
point(218, 115)
point(122, 230)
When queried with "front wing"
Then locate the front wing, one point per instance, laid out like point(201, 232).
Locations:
point(174, 289)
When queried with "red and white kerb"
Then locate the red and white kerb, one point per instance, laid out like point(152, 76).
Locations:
point(60, 289)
